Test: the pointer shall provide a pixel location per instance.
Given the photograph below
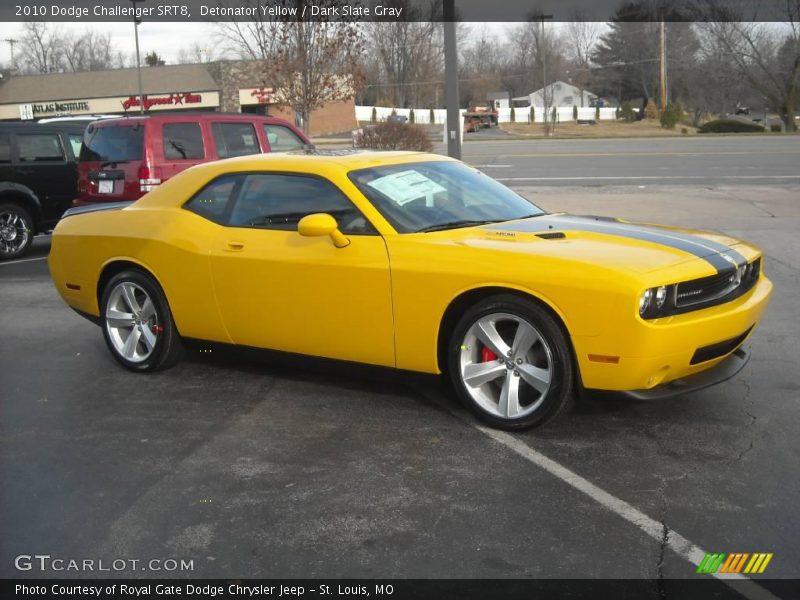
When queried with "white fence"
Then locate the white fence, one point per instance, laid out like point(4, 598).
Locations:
point(521, 115)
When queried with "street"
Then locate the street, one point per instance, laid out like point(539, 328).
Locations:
point(696, 160)
point(266, 465)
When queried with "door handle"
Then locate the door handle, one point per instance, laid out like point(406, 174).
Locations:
point(235, 246)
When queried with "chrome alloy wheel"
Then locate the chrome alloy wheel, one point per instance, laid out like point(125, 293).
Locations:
point(131, 322)
point(506, 365)
point(14, 232)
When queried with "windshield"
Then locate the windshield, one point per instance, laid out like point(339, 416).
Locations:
point(117, 143)
point(430, 196)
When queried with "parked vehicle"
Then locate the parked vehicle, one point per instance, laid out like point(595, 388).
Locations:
point(124, 158)
point(38, 180)
point(414, 261)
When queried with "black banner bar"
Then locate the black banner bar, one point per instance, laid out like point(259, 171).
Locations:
point(475, 11)
point(704, 587)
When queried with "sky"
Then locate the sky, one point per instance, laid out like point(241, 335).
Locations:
point(160, 37)
point(152, 36)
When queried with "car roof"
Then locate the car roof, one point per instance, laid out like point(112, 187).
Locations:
point(349, 159)
point(134, 117)
point(69, 126)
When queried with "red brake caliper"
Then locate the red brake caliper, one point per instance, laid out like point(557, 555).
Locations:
point(487, 355)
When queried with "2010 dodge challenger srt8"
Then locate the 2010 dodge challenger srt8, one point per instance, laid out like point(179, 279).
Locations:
point(413, 261)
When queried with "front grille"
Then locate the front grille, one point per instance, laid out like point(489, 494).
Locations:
point(716, 289)
point(719, 349)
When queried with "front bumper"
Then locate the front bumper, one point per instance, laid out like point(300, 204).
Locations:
point(650, 355)
point(722, 372)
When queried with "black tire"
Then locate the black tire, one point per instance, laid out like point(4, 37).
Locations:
point(167, 348)
point(555, 352)
point(16, 231)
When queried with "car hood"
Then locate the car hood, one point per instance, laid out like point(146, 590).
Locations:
point(633, 247)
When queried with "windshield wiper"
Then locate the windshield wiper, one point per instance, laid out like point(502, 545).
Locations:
point(456, 224)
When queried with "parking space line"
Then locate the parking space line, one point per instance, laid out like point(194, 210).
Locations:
point(24, 260)
point(655, 529)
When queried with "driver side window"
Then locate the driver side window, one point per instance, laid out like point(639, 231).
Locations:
point(279, 201)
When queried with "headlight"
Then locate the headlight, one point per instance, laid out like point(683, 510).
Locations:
point(653, 302)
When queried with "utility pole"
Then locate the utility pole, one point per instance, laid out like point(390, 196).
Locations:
point(11, 42)
point(546, 106)
point(454, 124)
point(663, 65)
point(136, 22)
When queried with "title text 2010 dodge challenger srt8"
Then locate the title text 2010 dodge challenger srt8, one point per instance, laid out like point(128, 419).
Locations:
point(418, 262)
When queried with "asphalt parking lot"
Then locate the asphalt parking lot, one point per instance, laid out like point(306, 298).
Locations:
point(273, 466)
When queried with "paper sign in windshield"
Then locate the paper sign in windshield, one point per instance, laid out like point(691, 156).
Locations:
point(406, 186)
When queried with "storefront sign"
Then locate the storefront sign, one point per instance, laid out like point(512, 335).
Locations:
point(58, 108)
point(259, 95)
point(170, 100)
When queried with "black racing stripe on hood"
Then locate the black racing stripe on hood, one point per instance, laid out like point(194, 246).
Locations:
point(712, 252)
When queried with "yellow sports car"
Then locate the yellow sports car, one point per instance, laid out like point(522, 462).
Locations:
point(413, 261)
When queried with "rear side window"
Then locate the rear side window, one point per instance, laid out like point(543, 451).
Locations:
point(75, 141)
point(120, 143)
point(235, 139)
point(5, 148)
point(277, 201)
point(39, 147)
point(282, 139)
point(212, 200)
point(183, 141)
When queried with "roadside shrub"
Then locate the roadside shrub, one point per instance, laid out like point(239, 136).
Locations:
point(574, 112)
point(374, 118)
point(431, 117)
point(671, 115)
point(411, 118)
point(513, 115)
point(597, 113)
point(775, 128)
point(391, 135)
point(626, 112)
point(651, 110)
point(729, 126)
point(533, 114)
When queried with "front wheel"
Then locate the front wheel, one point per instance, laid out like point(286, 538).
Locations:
point(510, 362)
point(16, 231)
point(137, 323)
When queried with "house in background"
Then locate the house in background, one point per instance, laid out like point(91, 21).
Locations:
point(561, 94)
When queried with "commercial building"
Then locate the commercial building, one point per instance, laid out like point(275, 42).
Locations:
point(227, 86)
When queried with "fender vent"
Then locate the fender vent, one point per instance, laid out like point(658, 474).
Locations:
point(556, 235)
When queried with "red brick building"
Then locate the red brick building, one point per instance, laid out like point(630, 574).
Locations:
point(227, 86)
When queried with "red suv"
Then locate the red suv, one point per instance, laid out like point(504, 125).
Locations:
point(124, 158)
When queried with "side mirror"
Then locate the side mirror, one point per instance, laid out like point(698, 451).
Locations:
point(322, 224)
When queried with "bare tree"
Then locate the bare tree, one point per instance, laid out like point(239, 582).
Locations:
point(481, 68)
point(408, 53)
point(89, 51)
point(315, 62)
point(40, 48)
point(581, 38)
point(766, 56)
point(253, 39)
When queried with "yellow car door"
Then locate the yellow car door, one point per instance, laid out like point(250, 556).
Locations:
point(279, 290)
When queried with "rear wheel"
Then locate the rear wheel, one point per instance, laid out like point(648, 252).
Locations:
point(510, 362)
point(137, 324)
point(16, 231)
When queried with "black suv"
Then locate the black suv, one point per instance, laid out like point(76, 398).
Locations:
point(38, 180)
